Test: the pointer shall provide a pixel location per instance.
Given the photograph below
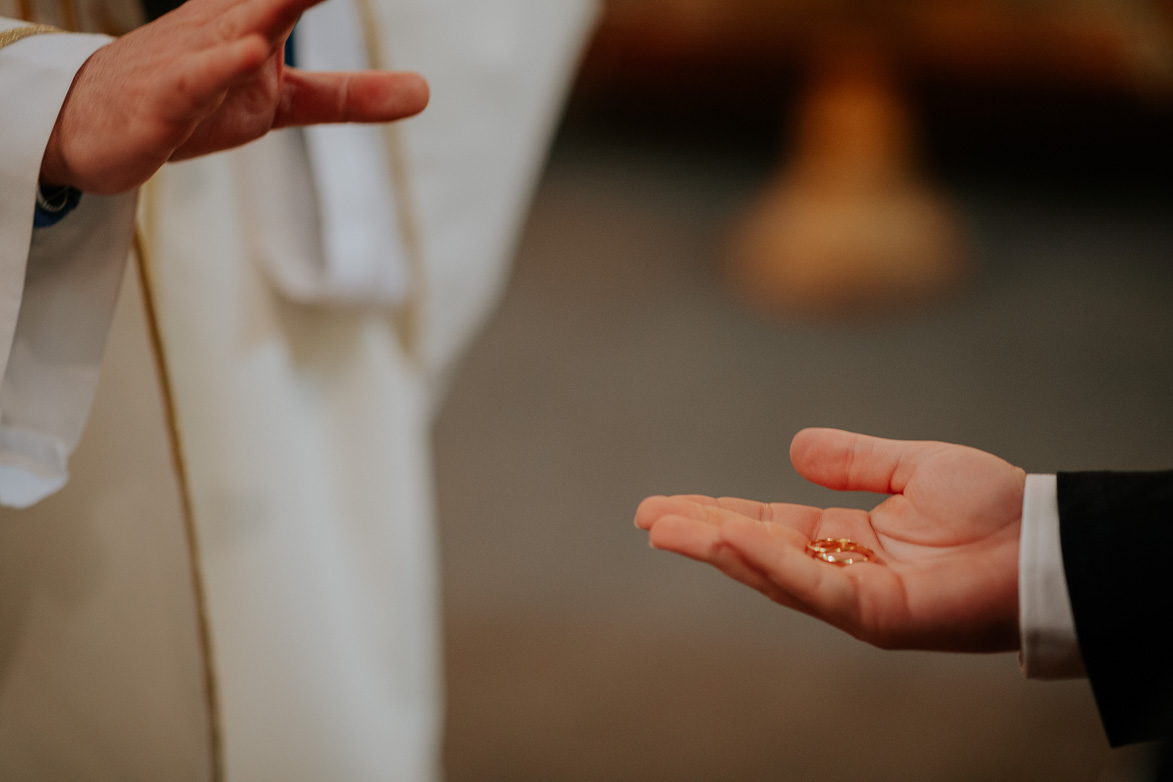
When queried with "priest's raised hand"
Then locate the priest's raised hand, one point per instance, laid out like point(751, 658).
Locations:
point(946, 540)
point(206, 77)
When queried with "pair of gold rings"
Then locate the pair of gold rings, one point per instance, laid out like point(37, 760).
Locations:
point(840, 551)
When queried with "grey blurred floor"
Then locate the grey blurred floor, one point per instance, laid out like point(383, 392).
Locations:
point(618, 367)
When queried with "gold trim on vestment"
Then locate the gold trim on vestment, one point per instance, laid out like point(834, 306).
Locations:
point(405, 317)
point(9, 37)
point(211, 684)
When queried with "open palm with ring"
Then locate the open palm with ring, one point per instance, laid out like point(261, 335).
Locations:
point(944, 574)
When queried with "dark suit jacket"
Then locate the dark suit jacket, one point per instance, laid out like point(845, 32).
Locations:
point(1116, 532)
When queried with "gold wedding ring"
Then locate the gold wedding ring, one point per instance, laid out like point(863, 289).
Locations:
point(839, 551)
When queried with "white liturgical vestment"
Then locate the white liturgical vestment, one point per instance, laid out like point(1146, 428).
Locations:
point(231, 576)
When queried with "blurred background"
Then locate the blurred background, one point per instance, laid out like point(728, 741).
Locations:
point(913, 219)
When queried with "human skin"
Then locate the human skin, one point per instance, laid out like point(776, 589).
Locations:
point(946, 539)
point(206, 77)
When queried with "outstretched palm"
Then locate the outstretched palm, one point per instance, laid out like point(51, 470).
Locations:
point(946, 541)
point(205, 77)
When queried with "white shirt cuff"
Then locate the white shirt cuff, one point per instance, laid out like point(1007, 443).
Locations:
point(1049, 647)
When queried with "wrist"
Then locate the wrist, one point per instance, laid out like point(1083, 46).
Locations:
point(55, 172)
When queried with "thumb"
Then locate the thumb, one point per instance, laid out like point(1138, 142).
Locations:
point(846, 461)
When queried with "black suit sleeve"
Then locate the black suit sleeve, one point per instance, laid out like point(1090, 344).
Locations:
point(1116, 532)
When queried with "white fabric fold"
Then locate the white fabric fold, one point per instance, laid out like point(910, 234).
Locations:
point(332, 182)
point(58, 285)
point(1050, 649)
point(499, 72)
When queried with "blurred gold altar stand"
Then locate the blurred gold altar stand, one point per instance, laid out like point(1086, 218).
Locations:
point(850, 224)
